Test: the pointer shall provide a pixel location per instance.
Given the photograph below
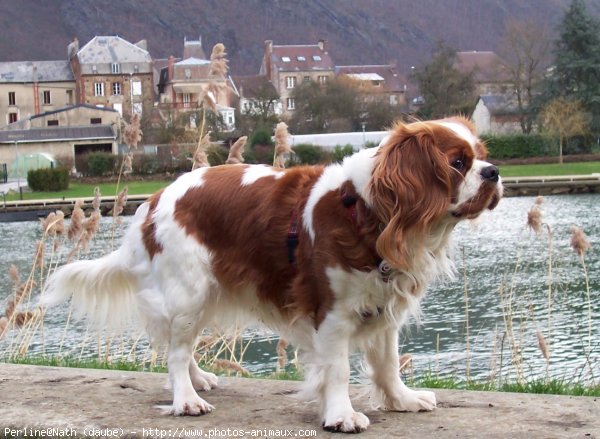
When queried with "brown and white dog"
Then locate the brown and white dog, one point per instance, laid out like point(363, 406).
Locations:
point(333, 257)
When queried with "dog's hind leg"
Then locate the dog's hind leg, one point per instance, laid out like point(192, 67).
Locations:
point(185, 399)
point(202, 380)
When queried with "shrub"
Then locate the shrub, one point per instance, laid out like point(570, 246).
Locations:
point(97, 164)
point(340, 152)
point(308, 154)
point(48, 179)
point(512, 146)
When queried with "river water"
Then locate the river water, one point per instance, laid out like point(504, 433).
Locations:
point(497, 257)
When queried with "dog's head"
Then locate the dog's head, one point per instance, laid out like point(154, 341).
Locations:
point(429, 175)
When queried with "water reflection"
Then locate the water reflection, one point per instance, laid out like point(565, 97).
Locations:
point(495, 254)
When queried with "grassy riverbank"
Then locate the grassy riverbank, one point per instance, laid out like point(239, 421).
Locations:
point(82, 190)
point(429, 380)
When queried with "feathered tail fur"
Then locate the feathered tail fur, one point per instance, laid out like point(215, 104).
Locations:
point(103, 290)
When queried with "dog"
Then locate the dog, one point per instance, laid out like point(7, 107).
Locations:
point(334, 257)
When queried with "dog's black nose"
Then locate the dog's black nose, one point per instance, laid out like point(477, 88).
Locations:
point(490, 173)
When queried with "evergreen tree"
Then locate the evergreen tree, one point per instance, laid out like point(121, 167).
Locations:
point(445, 90)
point(576, 69)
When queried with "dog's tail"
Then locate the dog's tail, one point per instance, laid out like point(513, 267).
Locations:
point(103, 290)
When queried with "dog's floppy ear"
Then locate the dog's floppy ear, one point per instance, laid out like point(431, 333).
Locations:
point(409, 189)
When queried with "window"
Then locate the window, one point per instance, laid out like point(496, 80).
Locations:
point(291, 104)
point(95, 121)
point(115, 67)
point(186, 99)
point(69, 97)
point(116, 88)
point(98, 89)
point(290, 81)
point(301, 58)
point(137, 108)
point(188, 73)
point(46, 97)
point(285, 59)
point(322, 79)
point(376, 83)
point(12, 98)
point(12, 117)
point(136, 87)
point(53, 123)
point(316, 58)
point(306, 79)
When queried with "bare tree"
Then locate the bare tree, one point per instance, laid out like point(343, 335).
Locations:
point(525, 50)
point(564, 118)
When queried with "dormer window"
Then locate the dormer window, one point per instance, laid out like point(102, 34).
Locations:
point(316, 58)
point(301, 58)
point(285, 59)
point(115, 67)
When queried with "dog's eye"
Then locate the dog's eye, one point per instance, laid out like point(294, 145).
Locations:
point(458, 164)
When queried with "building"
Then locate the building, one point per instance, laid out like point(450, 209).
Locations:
point(289, 66)
point(28, 88)
point(58, 136)
point(257, 95)
point(112, 72)
point(488, 71)
point(185, 83)
point(496, 114)
point(378, 80)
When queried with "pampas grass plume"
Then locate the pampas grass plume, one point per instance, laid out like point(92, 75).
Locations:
point(543, 345)
point(579, 242)
point(282, 145)
point(77, 218)
point(235, 152)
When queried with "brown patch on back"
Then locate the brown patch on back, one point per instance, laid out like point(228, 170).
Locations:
point(246, 229)
point(149, 227)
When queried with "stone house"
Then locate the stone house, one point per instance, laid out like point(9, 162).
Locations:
point(496, 114)
point(257, 94)
point(185, 82)
point(28, 88)
point(289, 66)
point(112, 72)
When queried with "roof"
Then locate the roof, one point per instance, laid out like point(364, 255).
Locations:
point(499, 104)
point(45, 71)
point(74, 107)
point(250, 87)
point(57, 134)
point(486, 66)
point(301, 58)
point(193, 62)
point(388, 73)
point(106, 50)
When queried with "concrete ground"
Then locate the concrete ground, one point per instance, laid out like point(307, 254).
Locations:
point(56, 402)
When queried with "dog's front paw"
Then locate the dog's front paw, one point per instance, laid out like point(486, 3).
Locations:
point(350, 422)
point(193, 406)
point(412, 401)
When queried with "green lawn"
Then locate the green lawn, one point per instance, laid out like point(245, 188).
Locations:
point(79, 190)
point(549, 169)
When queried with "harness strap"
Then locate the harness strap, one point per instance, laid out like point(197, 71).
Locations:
point(292, 238)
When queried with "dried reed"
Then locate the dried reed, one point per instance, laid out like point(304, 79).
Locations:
point(235, 152)
point(282, 146)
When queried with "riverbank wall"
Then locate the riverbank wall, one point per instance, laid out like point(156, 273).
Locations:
point(514, 186)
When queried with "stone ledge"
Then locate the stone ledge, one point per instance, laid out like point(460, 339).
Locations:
point(99, 403)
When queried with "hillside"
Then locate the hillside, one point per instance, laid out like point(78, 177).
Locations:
point(359, 31)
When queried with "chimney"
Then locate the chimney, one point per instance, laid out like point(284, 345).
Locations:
point(323, 45)
point(73, 48)
point(267, 58)
point(171, 68)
